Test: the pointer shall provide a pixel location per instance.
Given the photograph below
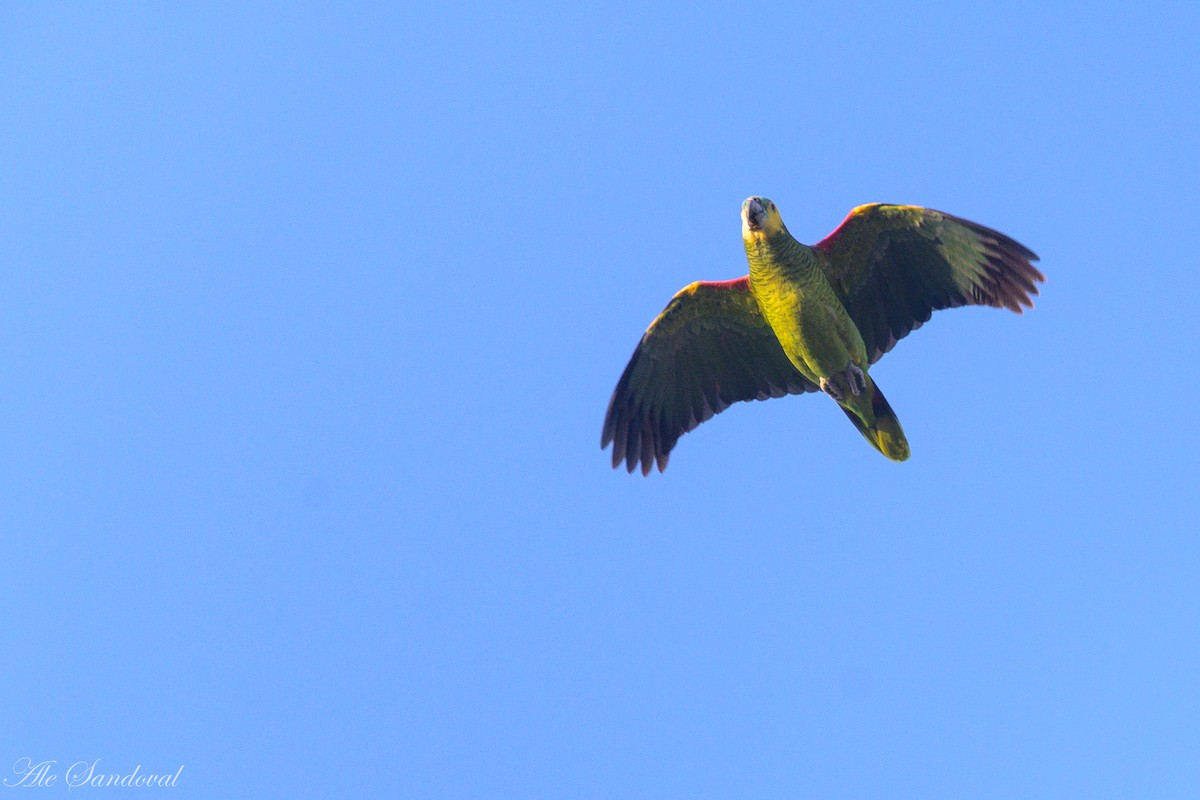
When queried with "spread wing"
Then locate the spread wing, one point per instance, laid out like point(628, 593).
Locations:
point(893, 266)
point(708, 349)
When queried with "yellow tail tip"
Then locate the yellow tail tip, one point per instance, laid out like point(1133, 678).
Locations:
point(894, 448)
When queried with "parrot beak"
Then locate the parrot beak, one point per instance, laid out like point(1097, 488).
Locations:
point(753, 213)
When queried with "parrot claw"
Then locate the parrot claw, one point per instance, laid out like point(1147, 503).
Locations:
point(830, 388)
point(853, 377)
point(856, 379)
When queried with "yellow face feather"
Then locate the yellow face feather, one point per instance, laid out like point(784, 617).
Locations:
point(760, 219)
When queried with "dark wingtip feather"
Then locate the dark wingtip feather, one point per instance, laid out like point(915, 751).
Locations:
point(1008, 264)
point(648, 446)
point(606, 435)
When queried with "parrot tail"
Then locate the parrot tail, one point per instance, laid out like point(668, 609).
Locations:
point(885, 435)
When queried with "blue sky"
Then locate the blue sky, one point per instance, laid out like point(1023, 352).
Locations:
point(308, 322)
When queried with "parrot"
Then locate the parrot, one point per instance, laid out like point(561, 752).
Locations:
point(808, 319)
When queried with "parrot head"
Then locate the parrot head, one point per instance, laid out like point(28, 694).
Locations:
point(760, 218)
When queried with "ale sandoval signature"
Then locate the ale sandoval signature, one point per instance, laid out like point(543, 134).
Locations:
point(27, 772)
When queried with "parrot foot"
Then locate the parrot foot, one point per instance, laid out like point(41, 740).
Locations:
point(857, 380)
point(852, 377)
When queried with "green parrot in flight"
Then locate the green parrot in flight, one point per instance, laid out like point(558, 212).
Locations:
point(808, 319)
